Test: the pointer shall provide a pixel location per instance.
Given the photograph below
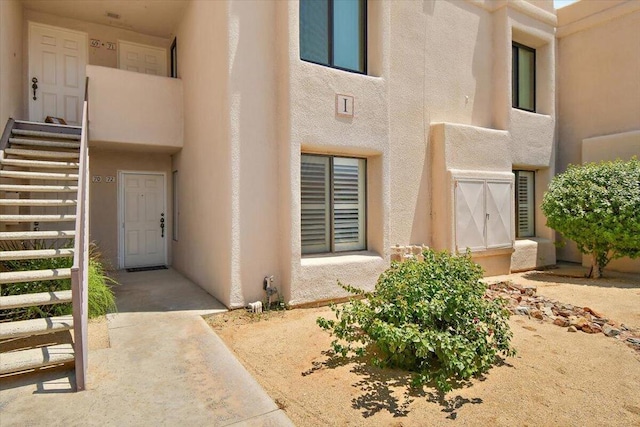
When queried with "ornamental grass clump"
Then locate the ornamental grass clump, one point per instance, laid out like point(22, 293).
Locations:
point(101, 299)
point(429, 317)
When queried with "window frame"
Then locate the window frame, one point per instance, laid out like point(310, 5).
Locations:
point(515, 76)
point(332, 244)
point(364, 47)
point(532, 196)
point(173, 54)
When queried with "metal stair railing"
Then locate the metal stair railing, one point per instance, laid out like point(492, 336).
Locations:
point(80, 268)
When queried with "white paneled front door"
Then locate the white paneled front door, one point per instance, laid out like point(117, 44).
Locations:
point(142, 58)
point(57, 62)
point(142, 216)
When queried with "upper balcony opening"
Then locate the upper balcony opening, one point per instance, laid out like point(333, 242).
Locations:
point(131, 35)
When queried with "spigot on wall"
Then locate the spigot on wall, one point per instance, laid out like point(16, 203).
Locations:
point(267, 283)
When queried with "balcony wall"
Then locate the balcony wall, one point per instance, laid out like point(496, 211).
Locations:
point(134, 111)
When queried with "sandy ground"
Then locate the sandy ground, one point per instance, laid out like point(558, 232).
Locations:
point(557, 378)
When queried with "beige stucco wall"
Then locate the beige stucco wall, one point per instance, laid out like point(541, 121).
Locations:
point(104, 195)
point(611, 147)
point(254, 149)
point(311, 125)
point(11, 89)
point(485, 137)
point(599, 92)
point(135, 109)
point(251, 107)
point(203, 251)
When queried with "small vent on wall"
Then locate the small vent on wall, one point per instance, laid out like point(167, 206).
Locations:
point(113, 15)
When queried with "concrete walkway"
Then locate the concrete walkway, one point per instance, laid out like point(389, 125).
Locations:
point(165, 366)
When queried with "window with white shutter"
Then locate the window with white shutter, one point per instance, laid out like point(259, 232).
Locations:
point(332, 204)
point(525, 203)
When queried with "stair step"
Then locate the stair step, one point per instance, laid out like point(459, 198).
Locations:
point(38, 202)
point(43, 134)
point(39, 175)
point(35, 254)
point(37, 218)
point(24, 328)
point(40, 188)
point(42, 154)
point(30, 300)
point(37, 235)
point(8, 277)
point(43, 143)
point(33, 358)
point(39, 164)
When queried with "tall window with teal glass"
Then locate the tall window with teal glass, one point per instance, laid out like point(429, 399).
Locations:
point(523, 77)
point(334, 33)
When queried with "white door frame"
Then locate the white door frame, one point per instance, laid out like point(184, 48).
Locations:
point(31, 71)
point(121, 189)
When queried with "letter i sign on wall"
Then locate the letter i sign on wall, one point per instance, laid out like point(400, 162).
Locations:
point(344, 105)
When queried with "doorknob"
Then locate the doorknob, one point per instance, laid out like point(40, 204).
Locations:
point(34, 86)
point(162, 225)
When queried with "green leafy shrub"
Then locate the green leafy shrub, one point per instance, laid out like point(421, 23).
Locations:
point(598, 207)
point(429, 317)
point(100, 297)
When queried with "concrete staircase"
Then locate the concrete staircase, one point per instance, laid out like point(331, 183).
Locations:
point(38, 197)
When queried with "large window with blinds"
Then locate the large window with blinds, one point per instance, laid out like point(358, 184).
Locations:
point(525, 196)
point(333, 33)
point(333, 201)
point(523, 79)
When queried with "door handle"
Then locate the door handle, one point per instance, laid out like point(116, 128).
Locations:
point(34, 86)
point(162, 225)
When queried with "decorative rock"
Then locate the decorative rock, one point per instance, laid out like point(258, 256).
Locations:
point(578, 322)
point(561, 321)
point(592, 311)
point(600, 321)
point(536, 314)
point(591, 328)
point(522, 300)
point(610, 331)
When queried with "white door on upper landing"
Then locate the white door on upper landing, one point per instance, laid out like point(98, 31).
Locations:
point(143, 233)
point(57, 61)
point(142, 58)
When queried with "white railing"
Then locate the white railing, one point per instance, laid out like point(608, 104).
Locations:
point(80, 268)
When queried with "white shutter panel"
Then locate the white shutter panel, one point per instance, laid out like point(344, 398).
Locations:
point(314, 194)
point(348, 204)
point(469, 215)
point(524, 203)
point(499, 214)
